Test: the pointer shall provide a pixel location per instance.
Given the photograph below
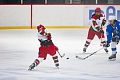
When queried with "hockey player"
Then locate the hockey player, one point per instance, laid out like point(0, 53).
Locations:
point(96, 23)
point(113, 35)
point(47, 47)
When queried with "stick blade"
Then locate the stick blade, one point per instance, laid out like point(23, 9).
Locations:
point(63, 55)
point(78, 57)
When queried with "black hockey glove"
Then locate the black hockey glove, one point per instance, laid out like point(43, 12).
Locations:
point(116, 39)
point(107, 44)
point(102, 31)
point(103, 22)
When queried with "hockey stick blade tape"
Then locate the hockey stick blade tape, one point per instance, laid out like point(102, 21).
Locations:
point(79, 58)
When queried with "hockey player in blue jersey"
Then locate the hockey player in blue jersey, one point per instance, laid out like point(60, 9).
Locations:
point(113, 36)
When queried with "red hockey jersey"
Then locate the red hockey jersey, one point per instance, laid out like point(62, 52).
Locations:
point(96, 22)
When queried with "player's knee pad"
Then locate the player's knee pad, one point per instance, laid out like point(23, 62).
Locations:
point(40, 59)
point(88, 41)
point(102, 40)
point(115, 39)
point(37, 61)
point(113, 44)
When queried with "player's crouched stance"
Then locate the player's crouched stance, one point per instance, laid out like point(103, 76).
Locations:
point(113, 36)
point(47, 47)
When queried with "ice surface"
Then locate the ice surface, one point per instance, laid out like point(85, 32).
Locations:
point(19, 48)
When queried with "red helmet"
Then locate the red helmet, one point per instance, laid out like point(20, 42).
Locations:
point(97, 9)
point(40, 27)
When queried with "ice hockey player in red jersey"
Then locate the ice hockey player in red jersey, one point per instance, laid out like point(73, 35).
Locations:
point(47, 47)
point(96, 23)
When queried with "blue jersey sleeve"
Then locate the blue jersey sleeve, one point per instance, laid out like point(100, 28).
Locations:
point(119, 29)
point(109, 33)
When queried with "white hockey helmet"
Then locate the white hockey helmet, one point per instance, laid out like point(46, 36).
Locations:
point(112, 18)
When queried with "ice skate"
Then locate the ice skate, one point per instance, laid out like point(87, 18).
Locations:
point(31, 66)
point(106, 50)
point(112, 57)
point(57, 65)
point(84, 50)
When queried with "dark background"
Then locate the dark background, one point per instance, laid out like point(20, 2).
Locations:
point(59, 1)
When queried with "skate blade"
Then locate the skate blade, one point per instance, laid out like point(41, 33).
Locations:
point(57, 67)
point(113, 59)
point(29, 69)
point(84, 52)
point(107, 53)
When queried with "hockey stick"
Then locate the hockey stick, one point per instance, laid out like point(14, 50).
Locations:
point(88, 55)
point(101, 40)
point(61, 55)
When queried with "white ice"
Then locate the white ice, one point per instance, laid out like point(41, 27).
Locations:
point(19, 48)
